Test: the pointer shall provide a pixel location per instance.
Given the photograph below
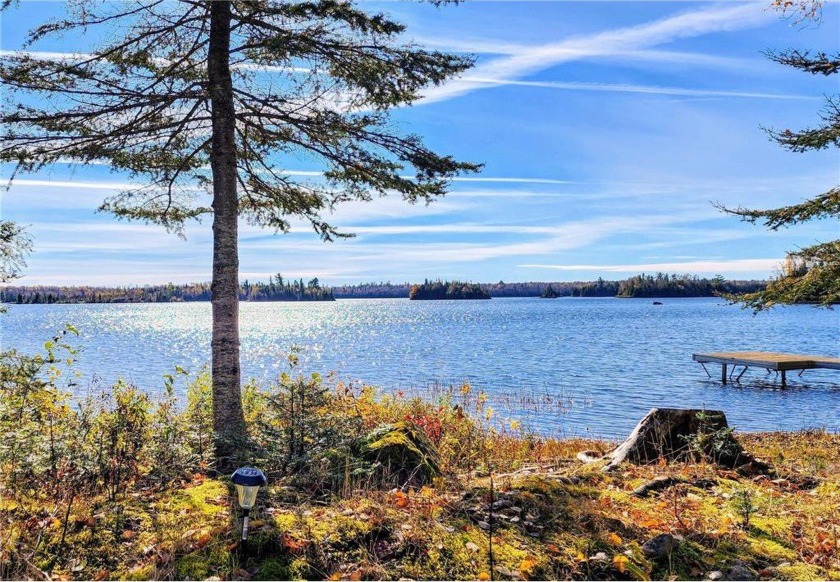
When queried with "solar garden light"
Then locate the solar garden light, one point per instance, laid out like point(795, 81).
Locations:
point(248, 481)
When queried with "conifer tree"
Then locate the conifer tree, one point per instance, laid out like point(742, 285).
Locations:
point(245, 88)
point(15, 244)
point(810, 274)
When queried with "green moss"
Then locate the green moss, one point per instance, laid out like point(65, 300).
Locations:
point(214, 560)
point(201, 498)
point(139, 573)
point(274, 569)
point(778, 527)
point(801, 572)
point(764, 547)
point(286, 521)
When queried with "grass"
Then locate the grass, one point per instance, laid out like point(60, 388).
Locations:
point(572, 522)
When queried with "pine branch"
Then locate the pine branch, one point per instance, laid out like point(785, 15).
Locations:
point(822, 206)
point(819, 64)
point(813, 139)
point(810, 275)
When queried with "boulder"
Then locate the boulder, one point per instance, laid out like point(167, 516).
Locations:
point(740, 571)
point(660, 546)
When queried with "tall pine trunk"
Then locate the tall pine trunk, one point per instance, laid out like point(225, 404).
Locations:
point(228, 419)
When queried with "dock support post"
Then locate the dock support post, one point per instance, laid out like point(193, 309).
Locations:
point(784, 379)
point(723, 373)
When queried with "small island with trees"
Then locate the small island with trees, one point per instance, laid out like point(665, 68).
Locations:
point(437, 290)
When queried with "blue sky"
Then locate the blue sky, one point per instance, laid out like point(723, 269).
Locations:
point(606, 129)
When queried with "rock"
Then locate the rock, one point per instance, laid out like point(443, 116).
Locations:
point(599, 557)
point(484, 525)
point(514, 519)
point(740, 571)
point(660, 546)
point(472, 547)
point(501, 504)
point(714, 575)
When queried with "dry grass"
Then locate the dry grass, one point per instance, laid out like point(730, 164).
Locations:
point(576, 523)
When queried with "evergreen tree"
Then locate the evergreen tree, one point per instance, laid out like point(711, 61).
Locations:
point(242, 88)
point(810, 274)
point(15, 244)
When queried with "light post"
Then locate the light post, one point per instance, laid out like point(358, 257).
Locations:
point(248, 481)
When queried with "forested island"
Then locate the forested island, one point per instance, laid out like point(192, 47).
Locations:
point(279, 289)
point(435, 290)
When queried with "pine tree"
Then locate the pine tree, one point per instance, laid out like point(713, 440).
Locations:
point(810, 274)
point(242, 88)
point(15, 244)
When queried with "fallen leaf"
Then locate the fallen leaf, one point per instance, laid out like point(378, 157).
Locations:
point(483, 576)
point(101, 575)
point(400, 499)
point(527, 565)
point(620, 562)
point(128, 535)
point(614, 539)
point(203, 540)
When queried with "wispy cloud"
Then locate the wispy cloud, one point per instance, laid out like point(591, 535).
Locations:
point(764, 266)
point(482, 46)
point(645, 36)
point(645, 89)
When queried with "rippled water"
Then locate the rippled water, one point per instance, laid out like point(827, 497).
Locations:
point(575, 366)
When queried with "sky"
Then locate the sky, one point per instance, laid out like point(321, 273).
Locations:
point(607, 131)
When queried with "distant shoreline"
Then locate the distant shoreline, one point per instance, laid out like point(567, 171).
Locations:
point(659, 286)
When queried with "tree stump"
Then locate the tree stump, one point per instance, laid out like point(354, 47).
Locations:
point(677, 434)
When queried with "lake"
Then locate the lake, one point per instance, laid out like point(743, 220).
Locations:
point(563, 366)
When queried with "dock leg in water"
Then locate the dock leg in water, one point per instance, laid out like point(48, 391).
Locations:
point(784, 379)
point(723, 373)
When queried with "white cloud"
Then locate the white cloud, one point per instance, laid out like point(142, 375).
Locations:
point(538, 58)
point(762, 266)
point(62, 184)
point(497, 47)
point(645, 89)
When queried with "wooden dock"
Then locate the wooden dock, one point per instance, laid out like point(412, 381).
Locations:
point(769, 361)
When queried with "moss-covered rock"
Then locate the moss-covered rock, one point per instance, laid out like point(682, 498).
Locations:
point(399, 454)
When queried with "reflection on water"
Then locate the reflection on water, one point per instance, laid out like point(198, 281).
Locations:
point(579, 366)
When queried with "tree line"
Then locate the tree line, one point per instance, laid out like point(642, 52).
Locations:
point(279, 289)
point(447, 290)
point(276, 289)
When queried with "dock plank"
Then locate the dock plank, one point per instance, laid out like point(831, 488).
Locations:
point(769, 360)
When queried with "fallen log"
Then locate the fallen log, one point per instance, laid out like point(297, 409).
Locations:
point(675, 434)
point(657, 484)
